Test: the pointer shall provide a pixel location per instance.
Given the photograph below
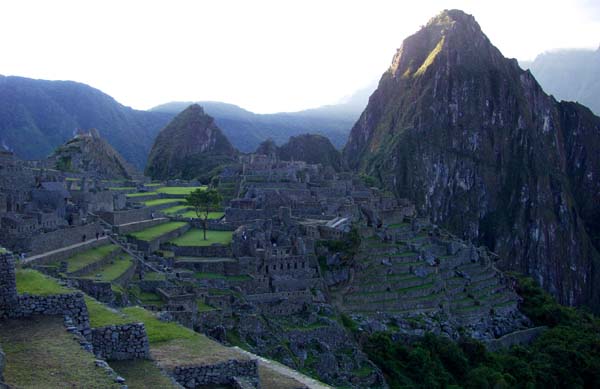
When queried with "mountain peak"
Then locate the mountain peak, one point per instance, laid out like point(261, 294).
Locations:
point(189, 145)
point(450, 32)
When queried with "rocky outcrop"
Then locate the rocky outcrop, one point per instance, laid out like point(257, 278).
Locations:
point(477, 144)
point(189, 146)
point(311, 148)
point(88, 153)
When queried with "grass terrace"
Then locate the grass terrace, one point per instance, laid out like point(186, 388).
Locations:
point(195, 237)
point(35, 283)
point(179, 190)
point(154, 202)
point(41, 354)
point(176, 209)
point(211, 215)
point(112, 271)
point(122, 188)
point(140, 194)
point(81, 260)
point(154, 232)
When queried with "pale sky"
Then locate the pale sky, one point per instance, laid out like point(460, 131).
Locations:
point(266, 56)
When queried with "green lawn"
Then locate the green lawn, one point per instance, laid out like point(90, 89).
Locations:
point(202, 307)
point(179, 190)
point(81, 260)
point(195, 237)
point(175, 209)
point(111, 271)
point(141, 194)
point(101, 315)
point(118, 188)
point(153, 185)
point(158, 331)
point(41, 354)
point(211, 215)
point(150, 203)
point(36, 283)
point(156, 231)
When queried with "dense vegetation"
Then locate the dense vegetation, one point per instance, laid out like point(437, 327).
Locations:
point(567, 355)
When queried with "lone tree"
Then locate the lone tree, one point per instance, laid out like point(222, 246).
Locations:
point(204, 202)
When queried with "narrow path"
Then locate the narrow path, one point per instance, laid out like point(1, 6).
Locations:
point(62, 249)
point(286, 371)
point(141, 222)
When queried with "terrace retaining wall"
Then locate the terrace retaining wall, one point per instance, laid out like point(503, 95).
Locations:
point(96, 265)
point(138, 226)
point(121, 342)
point(126, 216)
point(68, 253)
point(214, 250)
point(153, 245)
point(518, 337)
point(218, 374)
point(63, 237)
point(71, 305)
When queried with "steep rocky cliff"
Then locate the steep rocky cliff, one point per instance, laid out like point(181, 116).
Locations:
point(188, 147)
point(478, 145)
point(88, 153)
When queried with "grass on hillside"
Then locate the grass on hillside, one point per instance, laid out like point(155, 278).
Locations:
point(122, 188)
point(179, 190)
point(41, 354)
point(211, 215)
point(157, 231)
point(111, 271)
point(176, 209)
point(155, 202)
point(81, 260)
point(195, 237)
point(142, 374)
point(35, 283)
point(202, 307)
point(158, 331)
point(101, 315)
point(140, 194)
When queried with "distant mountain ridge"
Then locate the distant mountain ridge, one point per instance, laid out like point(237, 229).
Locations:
point(247, 130)
point(569, 74)
point(36, 116)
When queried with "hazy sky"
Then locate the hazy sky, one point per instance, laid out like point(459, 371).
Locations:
point(266, 56)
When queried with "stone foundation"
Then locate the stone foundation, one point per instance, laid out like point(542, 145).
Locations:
point(8, 284)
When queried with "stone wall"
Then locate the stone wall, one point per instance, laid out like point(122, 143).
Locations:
point(63, 237)
point(2, 364)
point(8, 284)
point(98, 264)
point(65, 254)
point(126, 216)
point(71, 305)
point(214, 250)
point(119, 342)
point(522, 337)
point(138, 226)
point(218, 374)
point(153, 245)
point(101, 291)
